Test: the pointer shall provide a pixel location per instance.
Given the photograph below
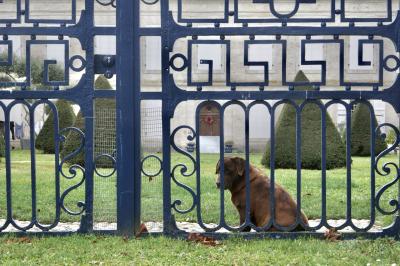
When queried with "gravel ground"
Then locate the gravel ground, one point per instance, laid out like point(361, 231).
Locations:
point(186, 226)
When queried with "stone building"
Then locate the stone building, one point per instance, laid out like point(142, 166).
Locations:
point(217, 52)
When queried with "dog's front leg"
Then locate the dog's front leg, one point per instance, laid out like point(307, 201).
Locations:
point(242, 213)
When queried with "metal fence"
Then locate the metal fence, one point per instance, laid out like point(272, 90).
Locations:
point(180, 193)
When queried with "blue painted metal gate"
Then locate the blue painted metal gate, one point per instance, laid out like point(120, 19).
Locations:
point(127, 67)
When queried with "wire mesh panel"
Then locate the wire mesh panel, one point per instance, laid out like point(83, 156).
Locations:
point(105, 179)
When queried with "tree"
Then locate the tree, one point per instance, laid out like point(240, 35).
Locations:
point(285, 137)
point(361, 133)
point(45, 140)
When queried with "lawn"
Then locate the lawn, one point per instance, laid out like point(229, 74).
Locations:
point(105, 191)
point(113, 250)
point(98, 250)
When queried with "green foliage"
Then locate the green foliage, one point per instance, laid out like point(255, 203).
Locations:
point(56, 73)
point(390, 137)
point(45, 139)
point(73, 141)
point(104, 129)
point(5, 78)
point(2, 145)
point(361, 133)
point(285, 138)
point(102, 83)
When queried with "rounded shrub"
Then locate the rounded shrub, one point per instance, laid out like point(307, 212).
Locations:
point(73, 141)
point(105, 124)
point(361, 133)
point(285, 137)
point(45, 140)
point(104, 129)
point(2, 145)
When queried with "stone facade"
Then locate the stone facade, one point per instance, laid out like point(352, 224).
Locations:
point(234, 125)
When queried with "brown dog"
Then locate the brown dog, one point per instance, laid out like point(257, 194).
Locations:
point(234, 181)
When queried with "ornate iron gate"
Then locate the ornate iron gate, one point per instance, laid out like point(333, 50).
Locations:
point(271, 29)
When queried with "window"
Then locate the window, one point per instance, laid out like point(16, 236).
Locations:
point(152, 60)
point(210, 120)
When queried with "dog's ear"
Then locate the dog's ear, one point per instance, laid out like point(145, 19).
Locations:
point(217, 167)
point(240, 164)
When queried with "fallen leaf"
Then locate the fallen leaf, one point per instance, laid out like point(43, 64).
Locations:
point(198, 238)
point(142, 230)
point(332, 235)
point(19, 240)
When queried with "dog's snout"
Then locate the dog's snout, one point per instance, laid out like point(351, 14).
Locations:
point(218, 184)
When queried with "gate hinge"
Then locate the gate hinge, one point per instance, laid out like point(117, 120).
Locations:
point(104, 64)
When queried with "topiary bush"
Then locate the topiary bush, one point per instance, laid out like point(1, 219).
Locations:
point(104, 129)
point(361, 133)
point(73, 141)
point(66, 117)
point(105, 124)
point(2, 145)
point(285, 138)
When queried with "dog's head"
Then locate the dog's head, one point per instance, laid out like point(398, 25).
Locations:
point(234, 169)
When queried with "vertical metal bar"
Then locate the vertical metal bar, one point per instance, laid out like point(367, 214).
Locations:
point(166, 120)
point(298, 163)
point(323, 166)
point(222, 168)
point(128, 117)
point(87, 219)
point(247, 170)
point(272, 166)
point(33, 161)
point(348, 162)
point(198, 177)
point(373, 126)
point(8, 165)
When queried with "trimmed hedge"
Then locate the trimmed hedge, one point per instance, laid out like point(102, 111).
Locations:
point(361, 133)
point(66, 117)
point(105, 130)
point(2, 145)
point(285, 138)
point(105, 125)
point(73, 141)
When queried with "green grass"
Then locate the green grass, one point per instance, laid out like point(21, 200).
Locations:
point(92, 250)
point(105, 191)
point(311, 191)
